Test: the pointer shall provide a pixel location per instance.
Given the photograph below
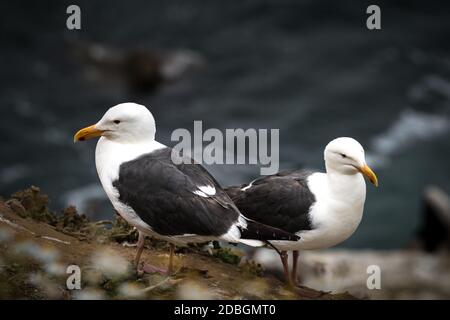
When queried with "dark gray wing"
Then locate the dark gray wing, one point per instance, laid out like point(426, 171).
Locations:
point(282, 200)
point(167, 196)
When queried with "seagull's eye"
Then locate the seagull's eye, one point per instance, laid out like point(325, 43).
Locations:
point(116, 121)
point(343, 155)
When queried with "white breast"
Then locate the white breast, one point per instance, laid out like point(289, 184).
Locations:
point(109, 155)
point(335, 217)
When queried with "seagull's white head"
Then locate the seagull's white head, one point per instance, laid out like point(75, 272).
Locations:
point(125, 122)
point(346, 156)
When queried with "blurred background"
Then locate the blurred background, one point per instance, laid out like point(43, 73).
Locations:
point(312, 70)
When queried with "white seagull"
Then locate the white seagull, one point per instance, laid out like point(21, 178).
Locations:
point(324, 209)
point(179, 203)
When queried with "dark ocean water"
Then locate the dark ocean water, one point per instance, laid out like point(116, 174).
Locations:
point(313, 71)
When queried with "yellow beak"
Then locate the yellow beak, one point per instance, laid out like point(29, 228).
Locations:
point(369, 174)
point(87, 133)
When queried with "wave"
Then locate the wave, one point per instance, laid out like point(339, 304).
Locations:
point(430, 84)
point(83, 197)
point(13, 173)
point(410, 128)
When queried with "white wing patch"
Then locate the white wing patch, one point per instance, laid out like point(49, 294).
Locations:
point(234, 233)
point(205, 191)
point(252, 243)
point(209, 190)
point(201, 194)
point(248, 187)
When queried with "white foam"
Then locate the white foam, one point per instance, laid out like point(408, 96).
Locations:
point(411, 127)
point(430, 84)
point(13, 173)
point(82, 196)
point(178, 63)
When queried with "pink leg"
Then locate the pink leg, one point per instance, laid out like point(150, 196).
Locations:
point(301, 290)
point(140, 248)
point(172, 251)
point(284, 260)
point(294, 278)
point(145, 267)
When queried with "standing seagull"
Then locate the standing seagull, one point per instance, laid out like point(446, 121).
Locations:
point(179, 203)
point(324, 209)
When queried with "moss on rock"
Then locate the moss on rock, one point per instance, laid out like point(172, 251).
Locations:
point(35, 204)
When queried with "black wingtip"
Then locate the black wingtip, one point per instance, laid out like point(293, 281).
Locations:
point(259, 231)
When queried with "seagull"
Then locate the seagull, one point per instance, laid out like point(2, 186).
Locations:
point(323, 209)
point(179, 203)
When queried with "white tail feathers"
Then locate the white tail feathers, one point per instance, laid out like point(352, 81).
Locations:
point(252, 243)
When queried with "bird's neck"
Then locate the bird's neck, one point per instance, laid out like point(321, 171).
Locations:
point(109, 154)
point(346, 187)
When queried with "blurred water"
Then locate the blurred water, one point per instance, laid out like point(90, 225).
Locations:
point(313, 71)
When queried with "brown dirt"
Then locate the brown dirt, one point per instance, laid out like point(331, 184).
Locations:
point(198, 273)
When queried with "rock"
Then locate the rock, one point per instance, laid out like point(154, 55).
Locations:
point(142, 70)
point(17, 207)
point(434, 232)
point(405, 274)
point(35, 203)
point(72, 221)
